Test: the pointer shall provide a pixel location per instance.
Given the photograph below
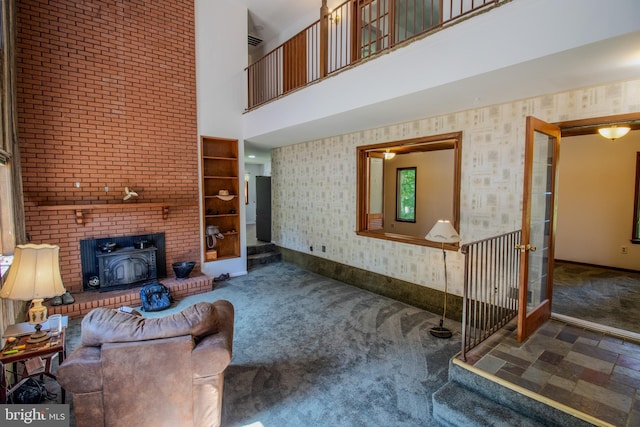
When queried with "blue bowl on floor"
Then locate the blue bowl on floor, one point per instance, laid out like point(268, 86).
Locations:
point(183, 269)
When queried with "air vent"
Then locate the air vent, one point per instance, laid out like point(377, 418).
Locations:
point(254, 40)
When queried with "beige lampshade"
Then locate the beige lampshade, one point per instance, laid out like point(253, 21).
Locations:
point(34, 273)
point(443, 232)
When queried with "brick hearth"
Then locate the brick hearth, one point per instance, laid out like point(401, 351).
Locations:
point(86, 301)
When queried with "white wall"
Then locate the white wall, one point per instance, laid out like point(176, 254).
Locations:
point(221, 56)
point(314, 183)
point(252, 171)
point(595, 200)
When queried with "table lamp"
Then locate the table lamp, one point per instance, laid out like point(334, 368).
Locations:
point(443, 232)
point(33, 276)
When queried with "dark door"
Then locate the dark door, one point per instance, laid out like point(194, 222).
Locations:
point(263, 208)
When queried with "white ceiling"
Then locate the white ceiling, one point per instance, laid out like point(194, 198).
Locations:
point(268, 18)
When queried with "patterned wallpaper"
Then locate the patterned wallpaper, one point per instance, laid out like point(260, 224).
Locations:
point(314, 183)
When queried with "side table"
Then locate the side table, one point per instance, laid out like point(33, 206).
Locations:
point(47, 350)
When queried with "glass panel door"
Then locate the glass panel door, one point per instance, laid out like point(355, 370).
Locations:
point(536, 247)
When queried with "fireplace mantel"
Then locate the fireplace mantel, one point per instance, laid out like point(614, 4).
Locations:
point(80, 209)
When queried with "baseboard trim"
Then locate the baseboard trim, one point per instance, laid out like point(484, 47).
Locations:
point(606, 267)
point(609, 330)
point(419, 296)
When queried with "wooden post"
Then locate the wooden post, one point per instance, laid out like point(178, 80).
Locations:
point(324, 38)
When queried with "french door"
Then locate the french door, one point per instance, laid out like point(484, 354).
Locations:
point(542, 148)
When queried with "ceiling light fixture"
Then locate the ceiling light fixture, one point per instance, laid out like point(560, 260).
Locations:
point(389, 155)
point(614, 132)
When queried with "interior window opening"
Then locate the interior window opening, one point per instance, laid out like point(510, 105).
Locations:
point(404, 187)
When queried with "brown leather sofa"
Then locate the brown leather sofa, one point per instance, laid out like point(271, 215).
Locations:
point(168, 371)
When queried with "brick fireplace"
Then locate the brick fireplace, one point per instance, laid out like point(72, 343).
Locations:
point(107, 100)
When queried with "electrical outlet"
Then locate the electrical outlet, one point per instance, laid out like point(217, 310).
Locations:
point(624, 250)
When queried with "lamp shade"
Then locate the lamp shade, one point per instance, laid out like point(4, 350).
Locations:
point(443, 232)
point(34, 273)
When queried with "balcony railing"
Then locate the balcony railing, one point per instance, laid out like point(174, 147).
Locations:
point(352, 32)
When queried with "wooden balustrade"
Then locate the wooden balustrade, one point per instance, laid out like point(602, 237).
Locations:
point(346, 35)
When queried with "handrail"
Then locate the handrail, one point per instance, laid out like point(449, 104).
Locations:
point(345, 36)
point(491, 282)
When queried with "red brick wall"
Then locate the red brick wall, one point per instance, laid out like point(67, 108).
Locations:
point(107, 97)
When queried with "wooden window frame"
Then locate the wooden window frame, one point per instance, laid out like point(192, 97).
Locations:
point(453, 139)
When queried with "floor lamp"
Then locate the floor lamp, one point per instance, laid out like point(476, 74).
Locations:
point(443, 232)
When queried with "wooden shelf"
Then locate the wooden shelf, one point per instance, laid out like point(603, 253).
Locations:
point(220, 172)
point(81, 208)
point(219, 158)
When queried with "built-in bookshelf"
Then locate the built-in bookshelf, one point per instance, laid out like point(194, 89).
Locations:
point(220, 197)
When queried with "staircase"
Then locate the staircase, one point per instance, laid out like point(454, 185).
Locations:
point(258, 255)
point(470, 399)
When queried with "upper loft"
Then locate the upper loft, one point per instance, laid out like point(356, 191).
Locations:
point(352, 32)
point(390, 61)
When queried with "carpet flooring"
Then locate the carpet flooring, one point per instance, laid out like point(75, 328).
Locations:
point(312, 351)
point(600, 295)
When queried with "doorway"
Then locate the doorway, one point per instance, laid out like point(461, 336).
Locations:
point(583, 220)
point(594, 282)
point(263, 208)
point(257, 162)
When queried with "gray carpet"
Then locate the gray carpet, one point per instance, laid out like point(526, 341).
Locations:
point(600, 295)
point(311, 351)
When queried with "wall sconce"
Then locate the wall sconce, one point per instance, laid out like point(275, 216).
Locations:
point(388, 155)
point(614, 132)
point(334, 17)
point(128, 194)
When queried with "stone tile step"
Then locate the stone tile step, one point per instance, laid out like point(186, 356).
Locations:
point(491, 390)
point(261, 248)
point(263, 258)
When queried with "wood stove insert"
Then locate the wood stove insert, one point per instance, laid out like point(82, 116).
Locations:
point(125, 266)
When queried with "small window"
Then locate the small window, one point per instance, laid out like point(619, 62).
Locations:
point(406, 194)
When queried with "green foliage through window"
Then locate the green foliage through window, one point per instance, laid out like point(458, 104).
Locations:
point(406, 194)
